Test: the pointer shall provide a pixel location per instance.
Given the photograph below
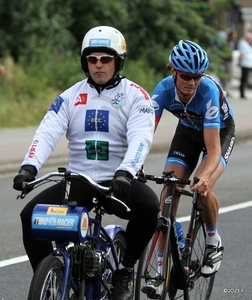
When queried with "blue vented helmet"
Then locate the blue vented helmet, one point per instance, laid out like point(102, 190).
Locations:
point(189, 57)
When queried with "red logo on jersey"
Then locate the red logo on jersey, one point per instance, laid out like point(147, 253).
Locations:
point(146, 96)
point(33, 149)
point(81, 99)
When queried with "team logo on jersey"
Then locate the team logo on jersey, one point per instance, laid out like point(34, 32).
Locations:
point(212, 111)
point(138, 154)
point(33, 148)
point(146, 110)
point(146, 95)
point(56, 105)
point(97, 150)
point(81, 99)
point(97, 120)
point(154, 102)
point(118, 101)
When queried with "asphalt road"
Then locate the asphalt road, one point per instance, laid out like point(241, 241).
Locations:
point(234, 190)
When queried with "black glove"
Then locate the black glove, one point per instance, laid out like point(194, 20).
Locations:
point(26, 173)
point(121, 183)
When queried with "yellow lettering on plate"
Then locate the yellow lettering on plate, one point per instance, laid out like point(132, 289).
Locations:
point(61, 211)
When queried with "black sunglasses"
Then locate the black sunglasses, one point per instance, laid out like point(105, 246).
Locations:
point(104, 59)
point(186, 77)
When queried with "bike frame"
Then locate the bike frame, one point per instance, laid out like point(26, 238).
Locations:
point(61, 251)
point(176, 273)
point(100, 236)
point(173, 253)
point(172, 250)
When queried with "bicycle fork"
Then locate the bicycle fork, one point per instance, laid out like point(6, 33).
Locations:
point(61, 252)
point(191, 268)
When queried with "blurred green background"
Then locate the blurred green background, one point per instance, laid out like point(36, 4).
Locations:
point(40, 44)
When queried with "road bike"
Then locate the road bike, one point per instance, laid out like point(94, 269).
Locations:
point(86, 254)
point(181, 276)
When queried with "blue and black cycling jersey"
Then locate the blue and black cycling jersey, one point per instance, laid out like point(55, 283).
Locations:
point(208, 107)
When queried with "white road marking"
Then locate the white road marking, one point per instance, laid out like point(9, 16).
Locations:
point(12, 261)
point(223, 210)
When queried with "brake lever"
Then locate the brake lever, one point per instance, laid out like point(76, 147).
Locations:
point(25, 190)
point(196, 196)
point(22, 195)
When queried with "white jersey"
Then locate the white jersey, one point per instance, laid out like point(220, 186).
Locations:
point(109, 131)
point(246, 50)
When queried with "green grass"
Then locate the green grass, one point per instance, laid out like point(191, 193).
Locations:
point(26, 92)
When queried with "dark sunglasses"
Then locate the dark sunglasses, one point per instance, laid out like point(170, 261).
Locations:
point(104, 59)
point(188, 78)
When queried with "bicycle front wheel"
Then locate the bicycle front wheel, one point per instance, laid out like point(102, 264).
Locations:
point(200, 288)
point(120, 246)
point(47, 280)
point(149, 271)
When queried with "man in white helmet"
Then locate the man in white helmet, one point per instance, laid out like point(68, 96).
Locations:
point(109, 122)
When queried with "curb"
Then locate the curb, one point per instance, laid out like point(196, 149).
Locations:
point(62, 160)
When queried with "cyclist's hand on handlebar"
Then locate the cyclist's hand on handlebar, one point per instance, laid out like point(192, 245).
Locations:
point(121, 183)
point(201, 185)
point(27, 173)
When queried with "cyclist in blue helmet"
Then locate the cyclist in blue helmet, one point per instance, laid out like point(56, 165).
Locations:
point(189, 57)
point(206, 127)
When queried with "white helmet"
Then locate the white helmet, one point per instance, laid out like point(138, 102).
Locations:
point(104, 39)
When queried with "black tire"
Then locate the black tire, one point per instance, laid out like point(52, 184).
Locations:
point(202, 286)
point(47, 280)
point(120, 246)
point(147, 268)
point(43, 288)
